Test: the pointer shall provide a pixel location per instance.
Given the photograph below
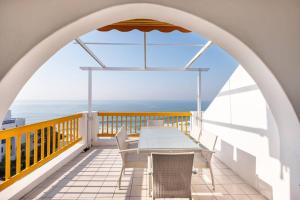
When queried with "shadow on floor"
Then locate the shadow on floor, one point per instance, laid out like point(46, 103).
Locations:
point(94, 174)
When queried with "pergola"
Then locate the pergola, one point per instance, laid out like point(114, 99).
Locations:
point(143, 25)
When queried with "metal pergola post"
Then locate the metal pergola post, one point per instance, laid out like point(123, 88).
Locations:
point(145, 50)
point(199, 97)
point(90, 107)
point(199, 100)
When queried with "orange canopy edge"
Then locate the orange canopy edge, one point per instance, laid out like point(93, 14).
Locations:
point(144, 25)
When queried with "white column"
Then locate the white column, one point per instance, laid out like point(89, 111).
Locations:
point(94, 129)
point(83, 127)
point(89, 138)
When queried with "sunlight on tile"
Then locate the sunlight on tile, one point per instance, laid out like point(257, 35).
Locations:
point(93, 175)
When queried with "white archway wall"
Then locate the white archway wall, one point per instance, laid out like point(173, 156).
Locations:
point(261, 25)
point(44, 33)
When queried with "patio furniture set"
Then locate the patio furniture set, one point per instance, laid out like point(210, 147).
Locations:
point(170, 157)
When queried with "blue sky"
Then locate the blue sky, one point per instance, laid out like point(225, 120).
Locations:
point(61, 79)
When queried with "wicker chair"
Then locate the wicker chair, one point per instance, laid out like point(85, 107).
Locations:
point(171, 175)
point(155, 122)
point(131, 143)
point(195, 133)
point(130, 157)
point(202, 159)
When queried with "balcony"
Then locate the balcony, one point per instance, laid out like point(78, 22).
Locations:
point(51, 163)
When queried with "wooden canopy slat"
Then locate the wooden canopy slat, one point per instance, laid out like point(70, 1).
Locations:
point(144, 25)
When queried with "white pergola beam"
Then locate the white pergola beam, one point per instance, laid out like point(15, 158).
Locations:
point(154, 69)
point(198, 54)
point(89, 51)
point(141, 44)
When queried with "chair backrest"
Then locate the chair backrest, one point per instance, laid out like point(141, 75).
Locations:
point(196, 132)
point(155, 122)
point(208, 140)
point(121, 138)
point(172, 175)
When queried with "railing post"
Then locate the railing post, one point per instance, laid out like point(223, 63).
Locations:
point(94, 128)
point(196, 121)
point(83, 127)
point(196, 118)
point(88, 134)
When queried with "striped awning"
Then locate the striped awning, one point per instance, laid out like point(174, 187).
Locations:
point(144, 25)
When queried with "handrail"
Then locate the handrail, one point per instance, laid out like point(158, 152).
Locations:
point(144, 114)
point(110, 122)
point(36, 144)
point(12, 131)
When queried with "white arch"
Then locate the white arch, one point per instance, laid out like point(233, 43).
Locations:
point(278, 101)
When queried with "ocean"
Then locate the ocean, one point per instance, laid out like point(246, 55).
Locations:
point(36, 111)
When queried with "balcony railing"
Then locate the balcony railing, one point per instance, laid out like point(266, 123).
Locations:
point(34, 145)
point(110, 122)
point(24, 149)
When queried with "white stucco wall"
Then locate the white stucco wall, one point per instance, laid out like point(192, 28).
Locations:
point(262, 35)
point(249, 137)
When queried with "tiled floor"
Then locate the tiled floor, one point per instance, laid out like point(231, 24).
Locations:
point(93, 175)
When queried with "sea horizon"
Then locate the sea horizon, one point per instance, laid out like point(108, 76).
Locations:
point(40, 110)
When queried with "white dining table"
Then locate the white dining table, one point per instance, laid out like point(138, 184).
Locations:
point(165, 139)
